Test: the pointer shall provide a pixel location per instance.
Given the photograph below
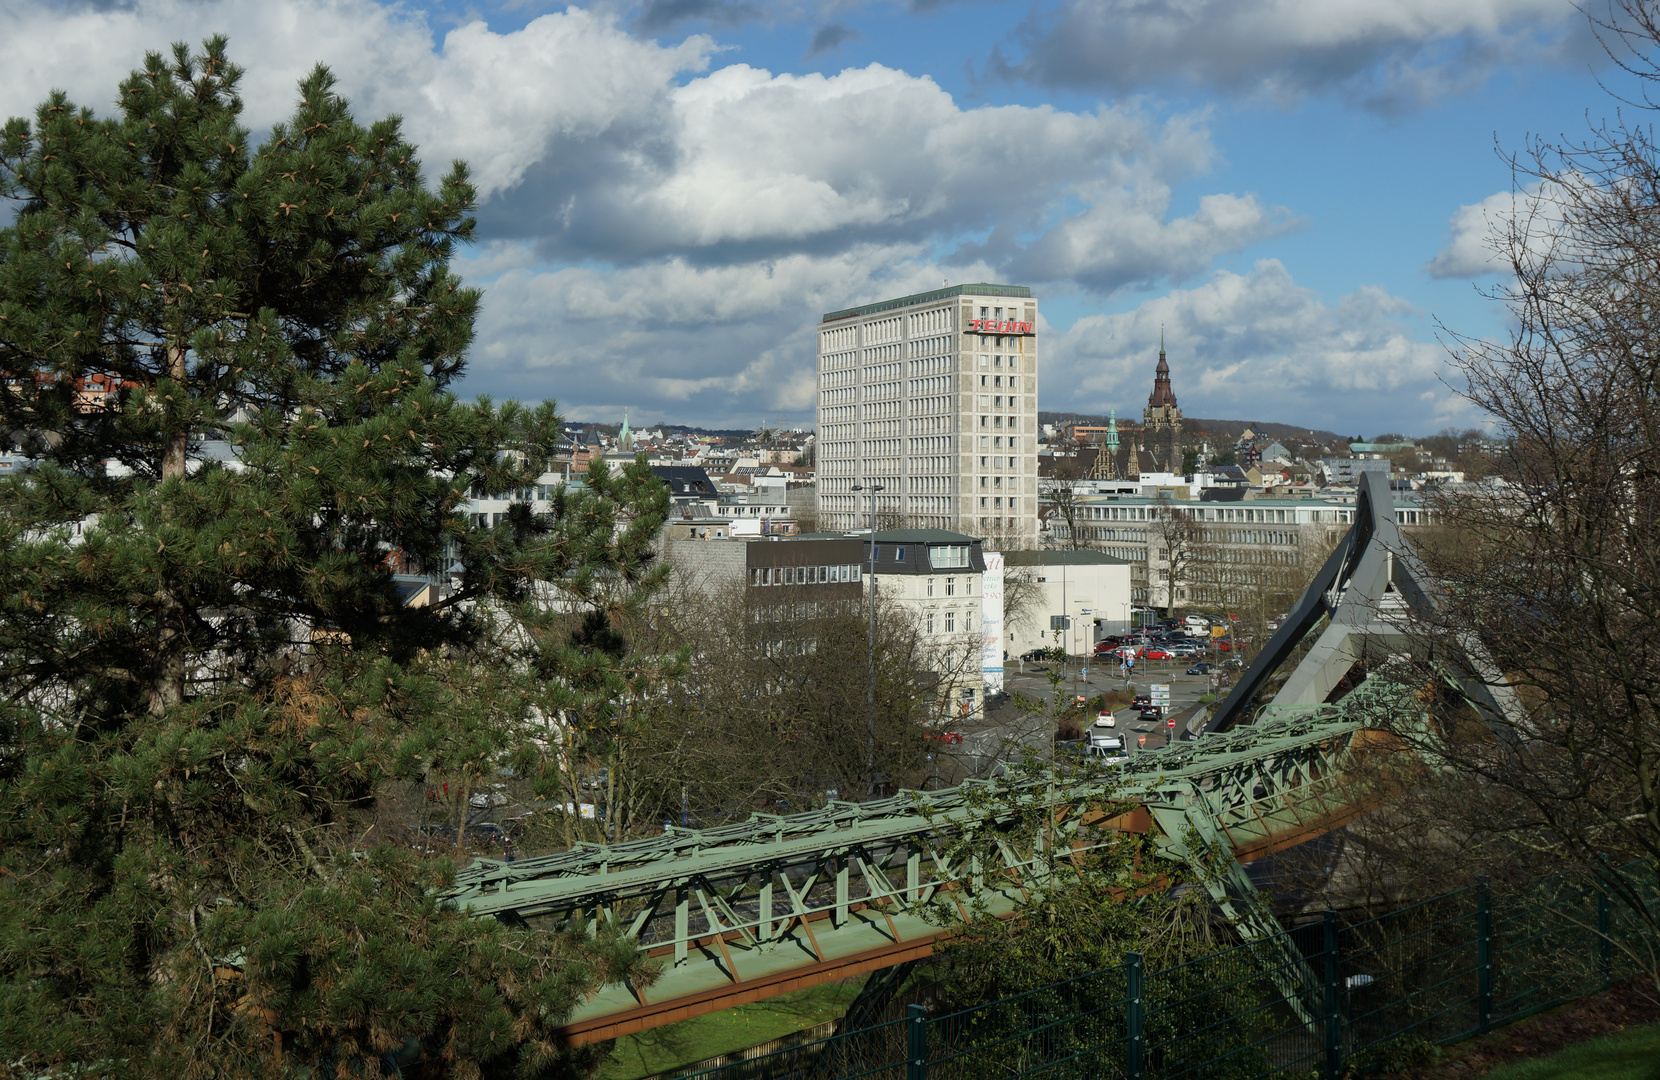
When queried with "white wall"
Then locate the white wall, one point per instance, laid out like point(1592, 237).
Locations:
point(1091, 594)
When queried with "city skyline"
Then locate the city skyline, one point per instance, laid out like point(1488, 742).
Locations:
point(673, 191)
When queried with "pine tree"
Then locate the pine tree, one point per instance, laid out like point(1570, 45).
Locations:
point(207, 673)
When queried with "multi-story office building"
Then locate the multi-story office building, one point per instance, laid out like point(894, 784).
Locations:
point(1209, 551)
point(933, 399)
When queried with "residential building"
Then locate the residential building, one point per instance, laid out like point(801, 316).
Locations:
point(1347, 470)
point(933, 398)
point(935, 575)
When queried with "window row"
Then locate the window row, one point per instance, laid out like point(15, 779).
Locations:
point(803, 575)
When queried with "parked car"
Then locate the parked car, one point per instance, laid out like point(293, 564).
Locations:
point(1187, 649)
point(1105, 647)
point(1035, 655)
point(1154, 652)
point(947, 737)
point(1202, 668)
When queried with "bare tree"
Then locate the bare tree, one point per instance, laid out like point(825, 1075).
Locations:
point(1555, 574)
point(1058, 502)
point(1178, 540)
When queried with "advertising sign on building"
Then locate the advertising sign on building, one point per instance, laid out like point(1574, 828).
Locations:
point(991, 623)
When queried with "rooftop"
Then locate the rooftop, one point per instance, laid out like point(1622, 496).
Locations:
point(922, 536)
point(1019, 292)
point(1060, 558)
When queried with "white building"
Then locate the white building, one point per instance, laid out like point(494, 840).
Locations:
point(1083, 596)
point(932, 398)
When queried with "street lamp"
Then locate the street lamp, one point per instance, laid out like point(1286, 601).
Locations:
point(870, 688)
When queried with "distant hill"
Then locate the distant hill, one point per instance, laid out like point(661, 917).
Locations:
point(1214, 427)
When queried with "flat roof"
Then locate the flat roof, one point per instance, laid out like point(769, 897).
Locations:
point(1018, 292)
point(920, 536)
point(1081, 557)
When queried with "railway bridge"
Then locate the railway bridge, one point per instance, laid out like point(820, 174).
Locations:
point(780, 902)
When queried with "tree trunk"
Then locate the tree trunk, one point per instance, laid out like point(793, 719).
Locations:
point(167, 690)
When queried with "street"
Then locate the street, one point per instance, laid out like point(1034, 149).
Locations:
point(985, 740)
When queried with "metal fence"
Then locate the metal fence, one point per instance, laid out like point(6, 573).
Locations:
point(1436, 972)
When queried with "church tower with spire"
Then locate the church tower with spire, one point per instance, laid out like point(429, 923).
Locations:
point(1162, 420)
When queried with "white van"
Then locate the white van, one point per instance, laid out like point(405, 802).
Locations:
point(1196, 626)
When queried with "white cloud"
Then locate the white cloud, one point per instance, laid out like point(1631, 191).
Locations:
point(1124, 238)
point(1259, 346)
point(1527, 224)
point(755, 164)
point(663, 235)
point(1390, 54)
point(725, 344)
point(503, 102)
point(1469, 251)
point(595, 144)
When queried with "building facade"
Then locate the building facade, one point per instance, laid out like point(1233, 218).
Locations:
point(935, 577)
point(1204, 548)
point(933, 398)
point(1082, 596)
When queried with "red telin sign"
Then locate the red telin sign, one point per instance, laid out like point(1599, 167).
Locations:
point(992, 326)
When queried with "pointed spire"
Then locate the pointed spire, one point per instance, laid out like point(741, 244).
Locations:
point(1162, 394)
point(1112, 430)
point(625, 438)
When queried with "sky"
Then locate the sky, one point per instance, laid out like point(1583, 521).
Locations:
point(1297, 193)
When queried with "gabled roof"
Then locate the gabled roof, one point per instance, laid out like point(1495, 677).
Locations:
point(684, 479)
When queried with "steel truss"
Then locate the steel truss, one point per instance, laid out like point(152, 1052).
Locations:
point(753, 909)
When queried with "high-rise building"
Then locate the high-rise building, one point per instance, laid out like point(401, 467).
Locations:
point(932, 398)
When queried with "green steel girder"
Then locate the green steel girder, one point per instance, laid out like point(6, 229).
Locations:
point(759, 898)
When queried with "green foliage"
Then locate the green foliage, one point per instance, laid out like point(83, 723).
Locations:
point(209, 680)
point(1400, 1053)
point(1625, 1055)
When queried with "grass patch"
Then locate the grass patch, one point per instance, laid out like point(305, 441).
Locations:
point(713, 1034)
point(1627, 1055)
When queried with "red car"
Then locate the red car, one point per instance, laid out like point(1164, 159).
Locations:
point(945, 736)
point(1223, 645)
point(1157, 654)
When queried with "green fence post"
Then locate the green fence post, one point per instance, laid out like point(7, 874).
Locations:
point(916, 1042)
point(1605, 936)
point(1484, 955)
point(1334, 1001)
point(1134, 1037)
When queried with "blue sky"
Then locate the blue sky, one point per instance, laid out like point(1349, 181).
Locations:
point(674, 190)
